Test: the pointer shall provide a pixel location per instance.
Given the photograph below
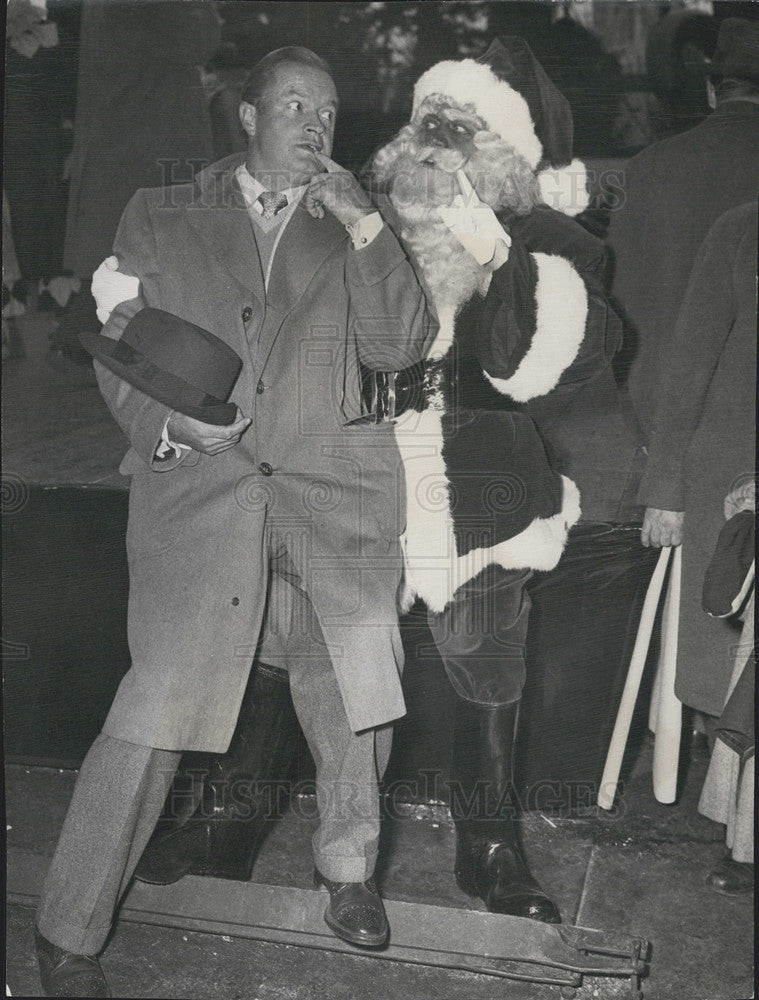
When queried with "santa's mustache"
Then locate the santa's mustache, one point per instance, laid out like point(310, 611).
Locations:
point(413, 174)
point(449, 160)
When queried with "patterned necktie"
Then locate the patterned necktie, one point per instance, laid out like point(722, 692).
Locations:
point(271, 203)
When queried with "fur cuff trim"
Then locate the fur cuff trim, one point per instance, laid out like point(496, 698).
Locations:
point(502, 108)
point(565, 189)
point(540, 546)
point(562, 310)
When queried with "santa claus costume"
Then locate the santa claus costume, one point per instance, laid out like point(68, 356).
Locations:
point(525, 346)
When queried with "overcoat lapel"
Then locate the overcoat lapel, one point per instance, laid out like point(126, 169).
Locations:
point(307, 242)
point(220, 217)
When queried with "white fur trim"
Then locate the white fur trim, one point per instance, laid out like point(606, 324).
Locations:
point(502, 108)
point(432, 570)
point(562, 311)
point(565, 189)
point(428, 544)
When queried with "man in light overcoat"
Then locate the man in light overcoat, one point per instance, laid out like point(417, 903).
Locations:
point(303, 288)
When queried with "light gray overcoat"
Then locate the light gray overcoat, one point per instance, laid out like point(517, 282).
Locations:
point(197, 525)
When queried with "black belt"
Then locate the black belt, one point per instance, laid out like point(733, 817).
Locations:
point(389, 394)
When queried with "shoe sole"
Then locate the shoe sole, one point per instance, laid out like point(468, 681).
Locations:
point(742, 891)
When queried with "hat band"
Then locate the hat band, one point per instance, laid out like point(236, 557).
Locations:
point(126, 355)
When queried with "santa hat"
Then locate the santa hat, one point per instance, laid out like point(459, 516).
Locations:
point(511, 92)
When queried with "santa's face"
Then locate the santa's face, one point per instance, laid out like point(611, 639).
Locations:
point(442, 125)
point(423, 159)
point(418, 168)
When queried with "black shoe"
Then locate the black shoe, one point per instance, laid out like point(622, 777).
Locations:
point(355, 912)
point(498, 874)
point(731, 878)
point(65, 974)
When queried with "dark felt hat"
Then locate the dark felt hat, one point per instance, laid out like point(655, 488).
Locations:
point(173, 361)
point(737, 52)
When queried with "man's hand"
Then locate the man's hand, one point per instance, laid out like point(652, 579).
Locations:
point(110, 287)
point(211, 439)
point(662, 528)
point(339, 192)
point(476, 226)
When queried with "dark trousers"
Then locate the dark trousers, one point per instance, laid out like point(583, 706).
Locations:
point(481, 636)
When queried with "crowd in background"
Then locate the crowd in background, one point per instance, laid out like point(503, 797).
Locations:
point(180, 67)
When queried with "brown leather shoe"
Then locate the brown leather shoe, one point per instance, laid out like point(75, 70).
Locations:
point(65, 974)
point(355, 912)
point(731, 878)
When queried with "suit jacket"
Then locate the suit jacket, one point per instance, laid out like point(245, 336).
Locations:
point(673, 192)
point(197, 524)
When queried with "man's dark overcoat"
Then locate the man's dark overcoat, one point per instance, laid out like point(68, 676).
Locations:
point(141, 113)
point(703, 444)
point(197, 524)
point(671, 194)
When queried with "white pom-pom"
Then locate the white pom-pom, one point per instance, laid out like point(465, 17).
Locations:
point(565, 189)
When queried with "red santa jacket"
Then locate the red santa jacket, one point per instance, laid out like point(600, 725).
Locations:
point(535, 351)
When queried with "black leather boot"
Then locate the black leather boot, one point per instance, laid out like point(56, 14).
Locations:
point(220, 807)
point(489, 861)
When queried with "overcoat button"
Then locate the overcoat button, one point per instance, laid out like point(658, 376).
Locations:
point(246, 314)
point(235, 601)
point(260, 387)
point(265, 468)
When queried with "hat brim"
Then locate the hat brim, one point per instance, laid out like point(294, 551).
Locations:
point(143, 374)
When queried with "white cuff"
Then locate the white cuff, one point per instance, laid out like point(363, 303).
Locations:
point(166, 445)
point(365, 230)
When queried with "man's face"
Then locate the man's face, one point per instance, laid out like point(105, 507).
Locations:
point(445, 135)
point(294, 116)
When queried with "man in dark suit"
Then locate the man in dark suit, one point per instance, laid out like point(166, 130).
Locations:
point(279, 253)
point(673, 192)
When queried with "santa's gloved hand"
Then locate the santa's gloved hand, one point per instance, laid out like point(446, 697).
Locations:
point(110, 287)
point(475, 224)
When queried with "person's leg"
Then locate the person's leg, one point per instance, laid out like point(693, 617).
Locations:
point(348, 764)
point(481, 637)
point(118, 796)
point(348, 769)
point(221, 806)
point(66, 357)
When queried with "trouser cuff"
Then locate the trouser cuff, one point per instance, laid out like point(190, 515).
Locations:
point(79, 940)
point(346, 869)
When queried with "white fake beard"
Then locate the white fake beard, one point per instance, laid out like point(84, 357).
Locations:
point(415, 191)
point(450, 272)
